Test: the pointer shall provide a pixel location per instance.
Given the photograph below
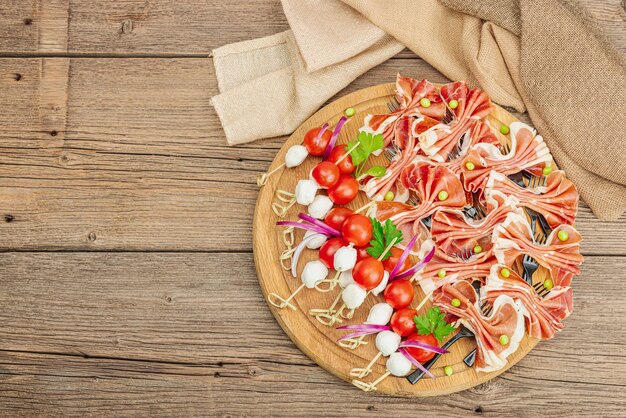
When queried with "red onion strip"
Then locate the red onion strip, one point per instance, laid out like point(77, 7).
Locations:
point(410, 272)
point(329, 230)
point(333, 139)
point(365, 327)
point(357, 334)
point(416, 363)
point(423, 346)
point(297, 252)
point(403, 257)
point(313, 228)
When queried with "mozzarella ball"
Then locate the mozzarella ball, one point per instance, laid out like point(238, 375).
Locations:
point(345, 278)
point(387, 342)
point(345, 258)
point(398, 365)
point(296, 154)
point(320, 206)
point(305, 191)
point(353, 296)
point(316, 242)
point(314, 271)
point(380, 314)
point(381, 286)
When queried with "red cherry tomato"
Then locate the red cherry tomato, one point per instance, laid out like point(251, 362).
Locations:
point(326, 174)
point(357, 230)
point(344, 191)
point(328, 250)
point(361, 253)
point(399, 293)
point(391, 262)
point(345, 165)
point(317, 146)
point(420, 354)
point(402, 321)
point(368, 273)
point(337, 216)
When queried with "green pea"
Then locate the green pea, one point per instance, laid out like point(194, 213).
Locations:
point(349, 112)
point(441, 273)
point(443, 195)
point(504, 339)
point(455, 302)
point(453, 104)
point(504, 129)
point(425, 102)
point(547, 170)
point(448, 370)
point(478, 249)
point(563, 236)
point(548, 284)
point(505, 273)
point(389, 196)
point(470, 165)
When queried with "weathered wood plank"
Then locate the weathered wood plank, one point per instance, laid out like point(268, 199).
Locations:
point(183, 312)
point(164, 27)
point(129, 152)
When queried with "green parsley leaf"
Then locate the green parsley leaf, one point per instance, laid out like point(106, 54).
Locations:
point(362, 147)
point(376, 171)
point(433, 323)
point(382, 235)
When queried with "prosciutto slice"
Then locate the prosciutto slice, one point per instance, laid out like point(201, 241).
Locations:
point(557, 201)
point(527, 150)
point(506, 318)
point(544, 316)
point(473, 105)
point(513, 238)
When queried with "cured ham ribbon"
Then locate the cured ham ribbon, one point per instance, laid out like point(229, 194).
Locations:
point(513, 238)
point(543, 315)
point(557, 201)
point(505, 319)
point(527, 150)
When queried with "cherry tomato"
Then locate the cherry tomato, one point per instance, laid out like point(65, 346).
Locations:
point(337, 216)
point(402, 321)
point(328, 250)
point(368, 273)
point(344, 191)
point(420, 354)
point(399, 293)
point(326, 174)
point(361, 252)
point(345, 165)
point(357, 229)
point(391, 262)
point(317, 146)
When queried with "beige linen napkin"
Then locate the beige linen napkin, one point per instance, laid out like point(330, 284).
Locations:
point(546, 57)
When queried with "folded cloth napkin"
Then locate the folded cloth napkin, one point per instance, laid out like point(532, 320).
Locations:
point(546, 57)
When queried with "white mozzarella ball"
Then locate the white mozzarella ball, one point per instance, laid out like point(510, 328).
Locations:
point(387, 342)
point(320, 206)
point(381, 286)
point(345, 278)
point(305, 191)
point(295, 155)
point(398, 365)
point(380, 314)
point(316, 242)
point(353, 296)
point(314, 271)
point(345, 258)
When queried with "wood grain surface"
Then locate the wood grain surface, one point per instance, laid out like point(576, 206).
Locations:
point(128, 283)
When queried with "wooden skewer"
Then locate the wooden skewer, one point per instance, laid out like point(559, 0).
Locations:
point(361, 373)
point(369, 387)
point(279, 302)
point(262, 179)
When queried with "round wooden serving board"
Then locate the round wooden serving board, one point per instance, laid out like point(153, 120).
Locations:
point(319, 341)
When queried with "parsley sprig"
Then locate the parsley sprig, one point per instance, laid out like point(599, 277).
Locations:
point(433, 323)
point(382, 235)
point(360, 150)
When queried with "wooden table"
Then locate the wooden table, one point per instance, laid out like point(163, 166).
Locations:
point(128, 284)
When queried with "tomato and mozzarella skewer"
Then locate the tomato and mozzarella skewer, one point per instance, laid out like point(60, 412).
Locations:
point(314, 272)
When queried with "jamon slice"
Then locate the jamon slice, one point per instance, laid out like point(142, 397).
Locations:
point(473, 105)
point(506, 318)
point(427, 182)
point(527, 150)
point(513, 238)
point(543, 315)
point(409, 92)
point(557, 201)
point(454, 232)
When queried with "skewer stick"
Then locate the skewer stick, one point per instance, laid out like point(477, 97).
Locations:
point(364, 207)
point(369, 387)
point(262, 179)
point(332, 283)
point(286, 197)
point(348, 152)
point(361, 373)
point(423, 302)
point(279, 302)
point(351, 343)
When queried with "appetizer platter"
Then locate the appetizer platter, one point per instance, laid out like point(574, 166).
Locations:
point(416, 239)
